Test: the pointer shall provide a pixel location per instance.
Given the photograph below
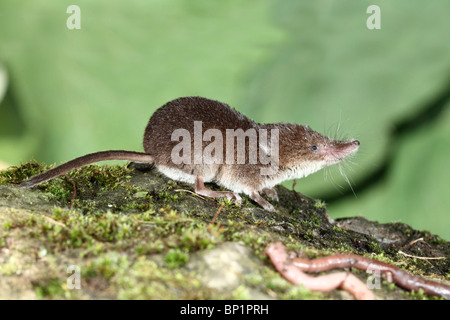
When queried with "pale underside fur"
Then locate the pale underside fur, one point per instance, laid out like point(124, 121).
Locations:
point(231, 182)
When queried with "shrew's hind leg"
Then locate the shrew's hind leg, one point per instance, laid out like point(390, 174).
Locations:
point(204, 191)
point(255, 196)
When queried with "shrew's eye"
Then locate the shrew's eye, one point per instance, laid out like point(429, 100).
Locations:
point(314, 148)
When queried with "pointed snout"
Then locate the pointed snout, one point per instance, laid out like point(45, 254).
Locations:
point(341, 150)
point(351, 147)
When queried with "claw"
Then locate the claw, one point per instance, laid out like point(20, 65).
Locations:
point(237, 198)
point(271, 193)
point(255, 196)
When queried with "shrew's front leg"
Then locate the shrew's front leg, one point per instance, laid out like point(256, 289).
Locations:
point(255, 196)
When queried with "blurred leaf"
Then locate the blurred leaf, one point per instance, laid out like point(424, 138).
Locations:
point(3, 82)
point(95, 88)
point(416, 191)
point(334, 72)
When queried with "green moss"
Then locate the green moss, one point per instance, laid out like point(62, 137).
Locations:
point(241, 293)
point(16, 175)
point(176, 258)
point(277, 284)
point(319, 204)
point(301, 293)
point(133, 241)
point(375, 247)
point(391, 286)
point(436, 240)
point(419, 295)
point(9, 268)
point(146, 280)
point(106, 266)
point(156, 246)
point(254, 280)
point(198, 238)
point(7, 225)
point(340, 230)
point(52, 288)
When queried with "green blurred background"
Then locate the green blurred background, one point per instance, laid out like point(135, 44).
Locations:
point(66, 92)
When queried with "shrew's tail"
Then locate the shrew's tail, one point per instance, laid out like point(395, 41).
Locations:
point(87, 159)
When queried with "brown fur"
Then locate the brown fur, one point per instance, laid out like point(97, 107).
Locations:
point(301, 149)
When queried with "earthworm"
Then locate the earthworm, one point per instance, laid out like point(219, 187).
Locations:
point(396, 275)
point(339, 261)
point(346, 281)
